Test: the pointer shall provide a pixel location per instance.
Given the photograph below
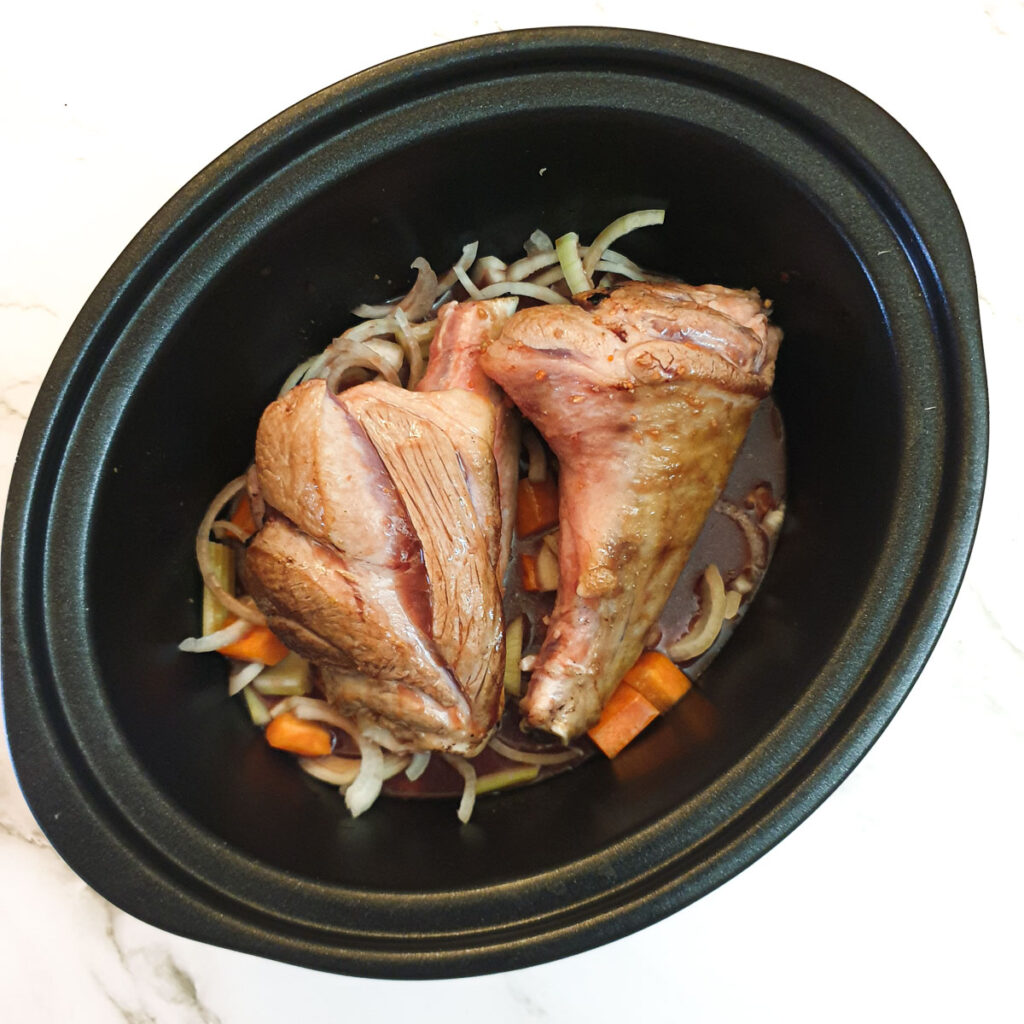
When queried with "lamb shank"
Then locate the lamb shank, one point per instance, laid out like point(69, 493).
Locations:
point(380, 552)
point(644, 393)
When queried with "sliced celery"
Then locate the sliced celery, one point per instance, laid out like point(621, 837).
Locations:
point(222, 560)
point(513, 655)
point(507, 777)
point(257, 709)
point(290, 677)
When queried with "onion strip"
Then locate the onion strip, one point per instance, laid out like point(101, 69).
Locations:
point(229, 601)
point(241, 676)
point(417, 303)
point(526, 757)
point(471, 289)
point(622, 269)
point(468, 773)
point(576, 276)
point(214, 641)
point(411, 347)
point(619, 227)
point(463, 263)
point(417, 765)
point(709, 623)
point(537, 242)
point(529, 265)
point(527, 288)
point(220, 527)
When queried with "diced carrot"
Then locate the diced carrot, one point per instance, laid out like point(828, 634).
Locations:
point(530, 580)
point(259, 644)
point(298, 736)
point(658, 679)
point(626, 715)
point(242, 516)
point(537, 506)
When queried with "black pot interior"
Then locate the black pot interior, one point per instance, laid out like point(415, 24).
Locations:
point(188, 426)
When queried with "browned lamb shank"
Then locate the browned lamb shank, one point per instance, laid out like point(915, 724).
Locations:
point(644, 394)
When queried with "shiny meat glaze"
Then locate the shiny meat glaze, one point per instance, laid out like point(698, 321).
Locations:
point(644, 394)
point(378, 557)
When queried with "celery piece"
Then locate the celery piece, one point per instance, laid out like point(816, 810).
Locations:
point(513, 654)
point(257, 709)
point(222, 560)
point(507, 777)
point(290, 677)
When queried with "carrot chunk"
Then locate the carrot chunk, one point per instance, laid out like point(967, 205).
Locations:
point(242, 516)
point(658, 679)
point(530, 579)
point(297, 735)
point(627, 713)
point(537, 506)
point(259, 644)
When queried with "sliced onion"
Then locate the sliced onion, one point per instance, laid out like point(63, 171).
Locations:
point(421, 297)
point(538, 241)
point(619, 227)
point(709, 623)
point(528, 288)
point(239, 608)
point(576, 276)
point(343, 771)
point(611, 256)
point(377, 328)
point(296, 375)
point(220, 527)
point(363, 792)
point(526, 757)
point(338, 771)
point(374, 769)
point(468, 773)
point(214, 641)
point(366, 311)
point(621, 269)
point(488, 270)
point(757, 542)
point(529, 265)
point(471, 289)
point(411, 348)
point(242, 675)
point(463, 263)
point(773, 520)
point(348, 352)
point(315, 710)
point(417, 765)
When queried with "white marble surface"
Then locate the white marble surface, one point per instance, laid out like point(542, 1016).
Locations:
point(901, 898)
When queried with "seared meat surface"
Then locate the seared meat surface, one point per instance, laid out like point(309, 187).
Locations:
point(644, 394)
point(384, 534)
